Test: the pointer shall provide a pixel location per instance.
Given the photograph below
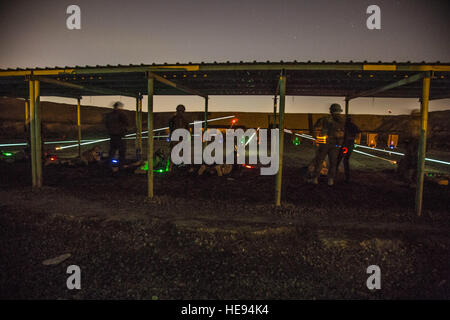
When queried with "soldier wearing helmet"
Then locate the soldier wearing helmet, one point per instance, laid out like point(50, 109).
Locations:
point(181, 108)
point(329, 133)
point(407, 167)
point(351, 131)
point(116, 124)
point(178, 121)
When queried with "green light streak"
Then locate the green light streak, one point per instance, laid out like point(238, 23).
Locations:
point(145, 168)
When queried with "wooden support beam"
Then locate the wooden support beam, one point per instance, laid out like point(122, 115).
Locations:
point(32, 132)
point(27, 120)
point(37, 111)
point(279, 184)
point(177, 86)
point(136, 143)
point(79, 126)
point(422, 143)
point(101, 91)
point(27, 113)
point(233, 67)
point(35, 133)
point(372, 92)
point(140, 123)
point(205, 123)
point(274, 112)
point(150, 93)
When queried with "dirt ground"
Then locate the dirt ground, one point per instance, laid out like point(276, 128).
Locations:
point(210, 237)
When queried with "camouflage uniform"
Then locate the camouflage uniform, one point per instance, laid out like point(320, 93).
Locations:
point(176, 122)
point(407, 167)
point(333, 128)
point(351, 130)
point(116, 124)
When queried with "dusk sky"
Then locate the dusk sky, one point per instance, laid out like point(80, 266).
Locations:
point(34, 34)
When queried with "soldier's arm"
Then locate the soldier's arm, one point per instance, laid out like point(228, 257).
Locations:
point(316, 126)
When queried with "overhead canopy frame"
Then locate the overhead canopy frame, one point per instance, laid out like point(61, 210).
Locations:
point(349, 79)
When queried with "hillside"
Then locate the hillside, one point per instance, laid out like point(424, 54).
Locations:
point(59, 121)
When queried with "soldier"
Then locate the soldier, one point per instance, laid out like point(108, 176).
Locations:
point(407, 167)
point(330, 140)
point(116, 124)
point(178, 121)
point(351, 130)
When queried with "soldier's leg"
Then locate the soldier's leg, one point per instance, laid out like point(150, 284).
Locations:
point(122, 151)
point(347, 163)
point(112, 147)
point(318, 160)
point(333, 153)
point(340, 157)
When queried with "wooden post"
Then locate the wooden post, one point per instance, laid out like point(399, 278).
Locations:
point(79, 125)
point(422, 143)
point(274, 112)
point(278, 186)
point(150, 92)
point(38, 138)
point(27, 114)
point(140, 127)
point(32, 132)
point(27, 122)
point(205, 116)
point(138, 151)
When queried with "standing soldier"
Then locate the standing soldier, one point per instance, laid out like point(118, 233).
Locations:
point(351, 130)
point(330, 140)
point(116, 124)
point(178, 121)
point(407, 167)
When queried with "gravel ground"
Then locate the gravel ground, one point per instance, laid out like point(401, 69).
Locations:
point(213, 238)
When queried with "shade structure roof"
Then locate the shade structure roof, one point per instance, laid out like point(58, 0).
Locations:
point(242, 78)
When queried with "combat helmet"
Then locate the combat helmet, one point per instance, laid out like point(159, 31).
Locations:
point(335, 108)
